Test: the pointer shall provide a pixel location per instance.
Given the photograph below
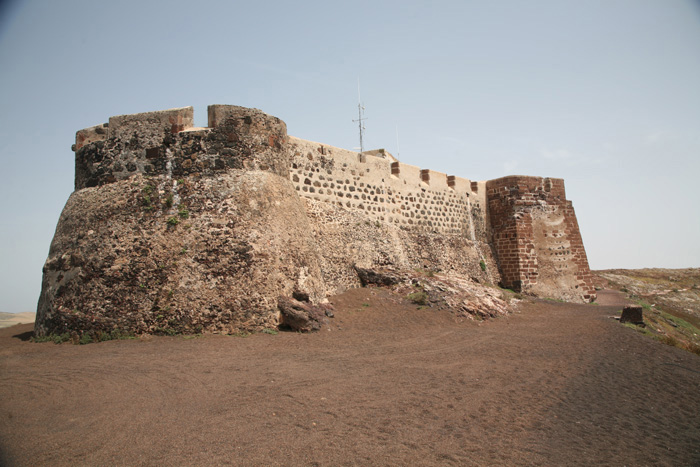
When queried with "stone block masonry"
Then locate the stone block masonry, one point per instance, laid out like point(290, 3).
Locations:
point(537, 239)
point(173, 228)
point(167, 143)
point(387, 191)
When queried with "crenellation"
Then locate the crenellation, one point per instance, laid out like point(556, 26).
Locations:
point(150, 127)
point(166, 142)
point(90, 135)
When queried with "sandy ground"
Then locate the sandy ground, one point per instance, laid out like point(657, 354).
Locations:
point(555, 384)
point(10, 319)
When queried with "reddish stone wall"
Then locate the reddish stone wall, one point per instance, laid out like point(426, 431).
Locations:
point(537, 239)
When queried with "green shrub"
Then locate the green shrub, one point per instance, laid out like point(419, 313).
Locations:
point(482, 263)
point(419, 298)
point(85, 339)
point(55, 338)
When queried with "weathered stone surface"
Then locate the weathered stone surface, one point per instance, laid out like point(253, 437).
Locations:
point(164, 143)
point(454, 292)
point(537, 240)
point(372, 277)
point(347, 241)
point(300, 316)
point(215, 260)
point(632, 314)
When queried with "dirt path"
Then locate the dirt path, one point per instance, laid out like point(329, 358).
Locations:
point(556, 384)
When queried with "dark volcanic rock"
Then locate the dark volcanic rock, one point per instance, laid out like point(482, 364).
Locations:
point(374, 277)
point(300, 316)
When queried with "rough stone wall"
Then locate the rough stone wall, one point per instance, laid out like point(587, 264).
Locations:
point(370, 210)
point(125, 258)
point(166, 143)
point(179, 229)
point(536, 238)
point(388, 191)
point(348, 238)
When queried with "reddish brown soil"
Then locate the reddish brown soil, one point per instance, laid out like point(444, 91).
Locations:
point(555, 384)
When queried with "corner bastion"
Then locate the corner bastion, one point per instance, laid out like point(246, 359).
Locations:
point(173, 228)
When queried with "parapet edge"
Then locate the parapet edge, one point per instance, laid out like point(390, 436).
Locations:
point(147, 124)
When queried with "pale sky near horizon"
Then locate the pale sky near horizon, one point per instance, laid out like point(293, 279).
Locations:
point(602, 93)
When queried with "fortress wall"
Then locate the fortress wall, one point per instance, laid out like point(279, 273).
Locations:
point(418, 217)
point(151, 188)
point(166, 143)
point(388, 191)
point(577, 258)
point(90, 135)
point(536, 238)
point(150, 126)
point(142, 129)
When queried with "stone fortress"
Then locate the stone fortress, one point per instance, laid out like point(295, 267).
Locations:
point(173, 228)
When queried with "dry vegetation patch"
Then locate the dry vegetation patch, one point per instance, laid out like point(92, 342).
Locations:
point(670, 299)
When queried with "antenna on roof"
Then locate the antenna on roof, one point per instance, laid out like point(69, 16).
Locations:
point(360, 116)
point(398, 150)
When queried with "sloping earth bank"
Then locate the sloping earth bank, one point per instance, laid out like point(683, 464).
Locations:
point(677, 290)
point(388, 384)
point(10, 319)
point(670, 298)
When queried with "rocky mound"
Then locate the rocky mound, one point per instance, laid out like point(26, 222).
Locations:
point(453, 292)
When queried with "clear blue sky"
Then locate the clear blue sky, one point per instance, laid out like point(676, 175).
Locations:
point(605, 94)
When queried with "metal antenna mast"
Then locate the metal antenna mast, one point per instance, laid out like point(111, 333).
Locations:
point(398, 149)
point(360, 116)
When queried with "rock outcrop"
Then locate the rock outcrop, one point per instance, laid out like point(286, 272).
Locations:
point(301, 316)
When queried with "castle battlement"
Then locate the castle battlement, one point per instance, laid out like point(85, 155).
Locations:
point(147, 131)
